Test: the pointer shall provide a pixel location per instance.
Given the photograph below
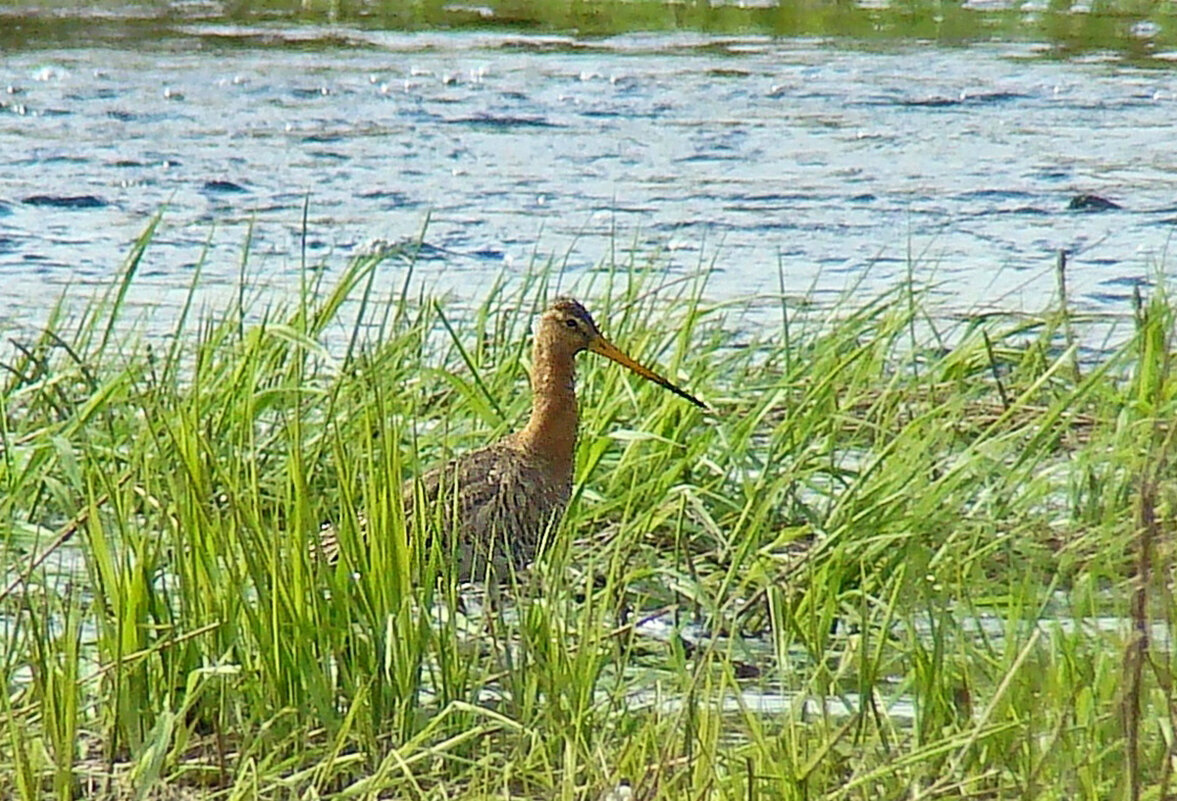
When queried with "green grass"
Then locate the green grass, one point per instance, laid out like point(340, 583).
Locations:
point(898, 531)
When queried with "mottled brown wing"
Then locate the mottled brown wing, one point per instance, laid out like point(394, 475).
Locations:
point(506, 505)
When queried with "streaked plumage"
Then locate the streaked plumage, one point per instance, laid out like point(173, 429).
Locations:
point(510, 495)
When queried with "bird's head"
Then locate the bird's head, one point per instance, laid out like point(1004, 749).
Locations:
point(567, 325)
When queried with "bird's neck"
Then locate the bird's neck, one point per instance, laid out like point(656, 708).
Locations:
point(551, 430)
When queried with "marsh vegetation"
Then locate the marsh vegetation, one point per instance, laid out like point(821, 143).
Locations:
point(905, 556)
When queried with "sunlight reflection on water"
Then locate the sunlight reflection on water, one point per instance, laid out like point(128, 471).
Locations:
point(828, 163)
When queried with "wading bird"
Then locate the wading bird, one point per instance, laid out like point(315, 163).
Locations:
point(503, 501)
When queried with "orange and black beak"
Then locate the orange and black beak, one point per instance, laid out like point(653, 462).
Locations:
point(598, 344)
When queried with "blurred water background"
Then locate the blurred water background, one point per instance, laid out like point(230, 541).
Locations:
point(828, 144)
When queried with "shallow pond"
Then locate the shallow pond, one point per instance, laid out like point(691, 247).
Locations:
point(828, 161)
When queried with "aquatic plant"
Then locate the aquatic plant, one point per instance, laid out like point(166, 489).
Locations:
point(906, 555)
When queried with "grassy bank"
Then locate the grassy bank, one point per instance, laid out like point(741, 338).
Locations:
point(896, 561)
point(1141, 32)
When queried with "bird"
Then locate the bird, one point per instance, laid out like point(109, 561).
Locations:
point(502, 502)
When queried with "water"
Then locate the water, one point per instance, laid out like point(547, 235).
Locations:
point(825, 161)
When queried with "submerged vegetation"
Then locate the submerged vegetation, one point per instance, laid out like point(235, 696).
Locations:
point(902, 558)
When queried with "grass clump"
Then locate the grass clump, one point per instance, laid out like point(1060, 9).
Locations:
point(892, 562)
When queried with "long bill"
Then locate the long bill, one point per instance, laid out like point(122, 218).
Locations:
point(610, 351)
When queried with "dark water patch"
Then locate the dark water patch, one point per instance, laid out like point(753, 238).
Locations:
point(622, 209)
point(62, 160)
point(964, 99)
point(843, 266)
point(389, 199)
point(706, 197)
point(924, 102)
point(223, 187)
point(994, 194)
point(288, 200)
point(706, 157)
point(1109, 298)
point(65, 201)
point(687, 224)
point(993, 97)
point(1087, 202)
point(323, 139)
point(800, 93)
point(543, 43)
point(100, 93)
point(280, 208)
point(310, 93)
point(303, 38)
point(765, 209)
point(328, 155)
point(605, 113)
point(1131, 281)
point(1027, 211)
point(165, 160)
point(502, 123)
point(764, 223)
point(772, 197)
point(1050, 174)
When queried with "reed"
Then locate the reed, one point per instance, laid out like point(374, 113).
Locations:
point(886, 565)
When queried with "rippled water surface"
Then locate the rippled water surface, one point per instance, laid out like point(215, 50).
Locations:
point(825, 161)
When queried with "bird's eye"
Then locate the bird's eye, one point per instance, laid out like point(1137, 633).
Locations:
point(571, 323)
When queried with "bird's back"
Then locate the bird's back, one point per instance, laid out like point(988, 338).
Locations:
point(495, 508)
point(501, 501)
